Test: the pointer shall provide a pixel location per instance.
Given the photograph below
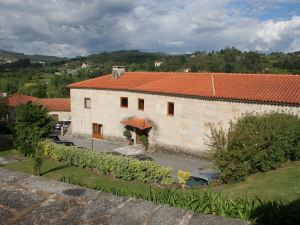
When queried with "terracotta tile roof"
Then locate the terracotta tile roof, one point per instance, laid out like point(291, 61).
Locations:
point(248, 87)
point(137, 122)
point(18, 99)
point(55, 104)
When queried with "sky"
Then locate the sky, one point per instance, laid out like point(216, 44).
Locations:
point(81, 27)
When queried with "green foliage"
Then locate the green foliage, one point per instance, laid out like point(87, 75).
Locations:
point(255, 143)
point(117, 166)
point(203, 201)
point(3, 107)
point(127, 134)
point(33, 123)
point(71, 180)
point(144, 140)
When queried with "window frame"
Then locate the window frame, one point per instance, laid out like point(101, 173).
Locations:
point(168, 108)
point(121, 101)
point(141, 99)
point(85, 101)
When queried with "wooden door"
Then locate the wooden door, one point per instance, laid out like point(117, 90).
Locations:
point(97, 131)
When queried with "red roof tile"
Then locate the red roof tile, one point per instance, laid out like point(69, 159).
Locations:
point(247, 87)
point(55, 104)
point(18, 99)
point(137, 122)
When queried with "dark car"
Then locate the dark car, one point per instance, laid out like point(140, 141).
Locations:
point(142, 157)
point(53, 137)
point(113, 153)
point(58, 125)
point(66, 143)
point(196, 182)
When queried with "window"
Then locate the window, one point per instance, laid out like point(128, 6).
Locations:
point(171, 108)
point(141, 104)
point(124, 102)
point(87, 103)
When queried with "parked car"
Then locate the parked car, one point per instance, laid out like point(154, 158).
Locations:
point(66, 143)
point(53, 137)
point(196, 182)
point(113, 153)
point(58, 125)
point(142, 157)
point(66, 124)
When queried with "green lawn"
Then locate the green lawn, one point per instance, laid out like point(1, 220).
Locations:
point(7, 151)
point(282, 183)
point(56, 170)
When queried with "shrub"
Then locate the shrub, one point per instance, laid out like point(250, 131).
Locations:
point(127, 134)
point(255, 143)
point(183, 176)
point(5, 128)
point(145, 141)
point(117, 166)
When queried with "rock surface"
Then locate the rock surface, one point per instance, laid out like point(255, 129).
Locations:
point(33, 200)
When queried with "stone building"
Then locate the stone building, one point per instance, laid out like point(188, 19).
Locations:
point(175, 109)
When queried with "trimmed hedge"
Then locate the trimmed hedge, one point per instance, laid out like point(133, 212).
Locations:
point(117, 166)
point(255, 142)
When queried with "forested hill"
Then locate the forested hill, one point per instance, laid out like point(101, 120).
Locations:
point(47, 76)
point(8, 56)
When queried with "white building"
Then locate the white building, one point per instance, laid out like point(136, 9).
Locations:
point(175, 109)
point(157, 63)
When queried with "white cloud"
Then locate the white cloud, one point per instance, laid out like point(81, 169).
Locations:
point(78, 27)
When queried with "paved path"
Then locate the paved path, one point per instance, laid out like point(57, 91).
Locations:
point(35, 200)
point(174, 161)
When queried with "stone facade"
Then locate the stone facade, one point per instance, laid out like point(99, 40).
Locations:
point(61, 115)
point(187, 130)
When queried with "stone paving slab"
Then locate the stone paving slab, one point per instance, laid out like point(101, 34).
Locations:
point(129, 150)
point(3, 161)
point(9, 176)
point(34, 200)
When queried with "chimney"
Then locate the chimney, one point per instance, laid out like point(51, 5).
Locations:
point(117, 71)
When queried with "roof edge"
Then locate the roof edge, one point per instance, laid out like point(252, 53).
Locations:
point(213, 98)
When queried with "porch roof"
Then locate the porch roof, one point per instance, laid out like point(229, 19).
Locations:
point(137, 123)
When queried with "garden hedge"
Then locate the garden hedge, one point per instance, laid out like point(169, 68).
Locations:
point(254, 143)
point(118, 166)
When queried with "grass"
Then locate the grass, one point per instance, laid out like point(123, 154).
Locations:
point(280, 184)
point(55, 170)
point(7, 151)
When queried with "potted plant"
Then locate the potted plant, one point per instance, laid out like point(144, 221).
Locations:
point(128, 136)
point(145, 141)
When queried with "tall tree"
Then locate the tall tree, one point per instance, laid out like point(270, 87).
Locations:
point(3, 107)
point(33, 124)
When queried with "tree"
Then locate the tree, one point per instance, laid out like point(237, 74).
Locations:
point(3, 107)
point(252, 62)
point(33, 124)
point(40, 90)
point(230, 58)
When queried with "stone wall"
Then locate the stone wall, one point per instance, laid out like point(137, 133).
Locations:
point(186, 130)
point(62, 115)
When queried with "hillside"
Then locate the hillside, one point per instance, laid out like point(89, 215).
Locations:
point(13, 56)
